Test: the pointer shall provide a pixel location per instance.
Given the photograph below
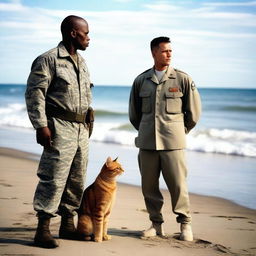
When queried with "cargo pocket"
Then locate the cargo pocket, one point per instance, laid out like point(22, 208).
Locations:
point(173, 102)
point(146, 102)
point(63, 78)
point(63, 85)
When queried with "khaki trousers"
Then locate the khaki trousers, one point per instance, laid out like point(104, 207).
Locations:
point(172, 165)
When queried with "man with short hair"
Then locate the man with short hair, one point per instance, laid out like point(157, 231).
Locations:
point(58, 97)
point(164, 106)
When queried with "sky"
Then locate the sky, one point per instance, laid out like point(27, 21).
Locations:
point(213, 41)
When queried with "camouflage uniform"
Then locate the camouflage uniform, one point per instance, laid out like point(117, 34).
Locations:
point(58, 81)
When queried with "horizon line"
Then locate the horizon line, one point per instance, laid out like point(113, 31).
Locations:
point(125, 85)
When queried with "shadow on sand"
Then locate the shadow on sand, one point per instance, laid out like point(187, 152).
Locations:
point(17, 235)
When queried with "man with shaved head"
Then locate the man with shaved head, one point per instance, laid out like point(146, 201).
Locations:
point(58, 99)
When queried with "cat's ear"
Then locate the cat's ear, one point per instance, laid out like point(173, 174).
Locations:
point(108, 161)
point(115, 159)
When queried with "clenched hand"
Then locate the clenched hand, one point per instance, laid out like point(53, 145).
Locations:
point(44, 136)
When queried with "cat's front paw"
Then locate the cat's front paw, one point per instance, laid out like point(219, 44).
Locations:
point(106, 237)
point(98, 239)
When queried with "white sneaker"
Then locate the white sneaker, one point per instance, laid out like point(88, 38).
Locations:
point(155, 229)
point(186, 232)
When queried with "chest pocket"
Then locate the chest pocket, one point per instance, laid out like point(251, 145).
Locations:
point(173, 102)
point(146, 101)
point(62, 73)
point(62, 79)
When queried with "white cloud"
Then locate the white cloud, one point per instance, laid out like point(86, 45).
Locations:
point(203, 33)
point(162, 6)
point(123, 1)
point(251, 3)
point(132, 23)
point(22, 25)
point(120, 39)
point(14, 6)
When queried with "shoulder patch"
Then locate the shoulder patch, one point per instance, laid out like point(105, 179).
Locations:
point(193, 85)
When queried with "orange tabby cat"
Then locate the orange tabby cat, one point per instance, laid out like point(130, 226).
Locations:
point(97, 203)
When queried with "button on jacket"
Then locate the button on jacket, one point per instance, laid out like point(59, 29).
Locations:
point(55, 79)
point(163, 112)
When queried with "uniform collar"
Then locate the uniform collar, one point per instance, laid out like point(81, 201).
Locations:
point(170, 73)
point(151, 75)
point(63, 53)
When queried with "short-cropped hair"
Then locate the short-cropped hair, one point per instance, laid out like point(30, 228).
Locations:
point(68, 24)
point(156, 41)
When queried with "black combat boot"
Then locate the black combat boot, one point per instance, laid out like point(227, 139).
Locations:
point(67, 228)
point(43, 237)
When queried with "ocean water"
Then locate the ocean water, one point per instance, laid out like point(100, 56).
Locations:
point(221, 149)
point(227, 125)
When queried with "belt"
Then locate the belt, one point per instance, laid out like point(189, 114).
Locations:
point(65, 114)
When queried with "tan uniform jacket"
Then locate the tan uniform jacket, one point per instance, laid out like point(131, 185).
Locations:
point(163, 112)
point(55, 79)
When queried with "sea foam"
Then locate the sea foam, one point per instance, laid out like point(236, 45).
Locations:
point(223, 141)
point(14, 115)
point(110, 130)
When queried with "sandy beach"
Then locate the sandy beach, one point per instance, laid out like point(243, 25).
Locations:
point(220, 226)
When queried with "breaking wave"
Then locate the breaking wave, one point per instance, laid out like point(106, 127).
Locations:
point(222, 141)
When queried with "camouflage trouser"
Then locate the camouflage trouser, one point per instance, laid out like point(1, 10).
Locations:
point(62, 170)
